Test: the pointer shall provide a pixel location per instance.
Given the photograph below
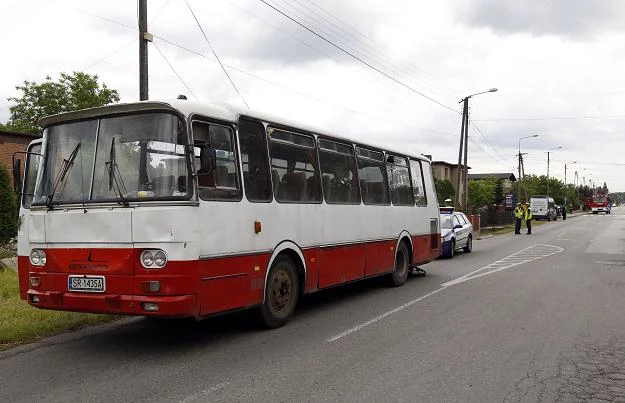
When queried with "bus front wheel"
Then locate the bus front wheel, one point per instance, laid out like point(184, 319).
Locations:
point(281, 293)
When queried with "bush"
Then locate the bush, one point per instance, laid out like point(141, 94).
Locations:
point(8, 207)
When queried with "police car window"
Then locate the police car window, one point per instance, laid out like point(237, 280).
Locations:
point(456, 221)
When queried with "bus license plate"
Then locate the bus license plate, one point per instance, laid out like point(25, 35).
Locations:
point(86, 283)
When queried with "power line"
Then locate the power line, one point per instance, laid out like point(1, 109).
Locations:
point(281, 31)
point(111, 54)
point(442, 85)
point(359, 59)
point(552, 118)
point(301, 93)
point(269, 81)
point(174, 70)
point(339, 35)
point(215, 54)
point(494, 147)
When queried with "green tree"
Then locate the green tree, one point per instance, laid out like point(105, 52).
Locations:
point(69, 93)
point(444, 190)
point(479, 194)
point(8, 207)
point(498, 192)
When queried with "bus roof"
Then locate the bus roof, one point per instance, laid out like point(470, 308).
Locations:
point(217, 110)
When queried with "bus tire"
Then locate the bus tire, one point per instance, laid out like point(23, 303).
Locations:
point(402, 266)
point(281, 293)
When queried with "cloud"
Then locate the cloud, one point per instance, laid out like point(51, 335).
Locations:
point(572, 19)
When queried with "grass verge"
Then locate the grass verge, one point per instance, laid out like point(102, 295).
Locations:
point(21, 323)
point(506, 229)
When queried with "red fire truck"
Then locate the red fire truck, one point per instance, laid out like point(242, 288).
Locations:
point(599, 202)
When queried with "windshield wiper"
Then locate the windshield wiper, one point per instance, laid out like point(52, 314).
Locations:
point(114, 183)
point(65, 168)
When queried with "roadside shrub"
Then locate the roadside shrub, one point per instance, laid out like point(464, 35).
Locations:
point(8, 207)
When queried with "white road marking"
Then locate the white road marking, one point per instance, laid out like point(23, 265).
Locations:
point(204, 393)
point(382, 316)
point(529, 254)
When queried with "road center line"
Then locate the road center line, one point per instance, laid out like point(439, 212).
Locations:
point(548, 250)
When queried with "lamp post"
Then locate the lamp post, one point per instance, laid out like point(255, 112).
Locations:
point(463, 171)
point(521, 163)
point(548, 152)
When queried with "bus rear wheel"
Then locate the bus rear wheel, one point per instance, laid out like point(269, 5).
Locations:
point(402, 265)
point(281, 293)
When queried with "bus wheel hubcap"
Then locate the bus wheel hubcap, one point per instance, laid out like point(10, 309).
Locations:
point(280, 290)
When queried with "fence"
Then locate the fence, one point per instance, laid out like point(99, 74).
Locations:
point(496, 218)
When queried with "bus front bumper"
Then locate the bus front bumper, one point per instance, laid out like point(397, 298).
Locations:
point(140, 305)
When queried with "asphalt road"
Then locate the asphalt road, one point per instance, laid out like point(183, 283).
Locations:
point(522, 318)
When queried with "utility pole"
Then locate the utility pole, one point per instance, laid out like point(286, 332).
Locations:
point(518, 187)
point(465, 187)
point(547, 173)
point(460, 170)
point(144, 38)
point(464, 140)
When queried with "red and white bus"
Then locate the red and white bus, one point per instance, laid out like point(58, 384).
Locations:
point(182, 209)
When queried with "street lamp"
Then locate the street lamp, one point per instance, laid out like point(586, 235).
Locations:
point(521, 163)
point(464, 140)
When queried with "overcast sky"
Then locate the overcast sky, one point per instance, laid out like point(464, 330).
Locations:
point(558, 65)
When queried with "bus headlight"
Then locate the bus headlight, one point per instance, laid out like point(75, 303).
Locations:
point(153, 258)
point(37, 257)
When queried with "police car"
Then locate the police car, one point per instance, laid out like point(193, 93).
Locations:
point(456, 232)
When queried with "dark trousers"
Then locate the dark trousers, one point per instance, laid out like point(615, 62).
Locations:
point(517, 225)
point(529, 226)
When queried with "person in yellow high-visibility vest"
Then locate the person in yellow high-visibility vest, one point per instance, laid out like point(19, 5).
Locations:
point(527, 215)
point(519, 214)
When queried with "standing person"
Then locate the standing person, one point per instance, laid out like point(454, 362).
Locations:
point(564, 212)
point(528, 217)
point(519, 213)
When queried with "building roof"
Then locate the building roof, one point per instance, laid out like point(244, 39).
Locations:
point(445, 163)
point(496, 175)
point(18, 134)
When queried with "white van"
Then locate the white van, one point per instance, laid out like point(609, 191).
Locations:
point(543, 208)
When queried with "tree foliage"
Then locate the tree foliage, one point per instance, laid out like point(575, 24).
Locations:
point(71, 92)
point(480, 194)
point(8, 207)
point(499, 193)
point(444, 190)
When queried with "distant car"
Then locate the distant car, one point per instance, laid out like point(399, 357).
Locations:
point(456, 233)
point(543, 208)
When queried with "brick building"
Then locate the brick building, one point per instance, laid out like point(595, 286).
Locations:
point(12, 142)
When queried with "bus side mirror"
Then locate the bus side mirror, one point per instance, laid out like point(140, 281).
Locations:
point(208, 159)
point(17, 175)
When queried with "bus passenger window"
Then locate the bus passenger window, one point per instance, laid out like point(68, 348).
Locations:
point(253, 145)
point(220, 181)
point(373, 178)
point(294, 167)
point(339, 174)
point(418, 187)
point(399, 179)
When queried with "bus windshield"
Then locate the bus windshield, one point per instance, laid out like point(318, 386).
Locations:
point(123, 158)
